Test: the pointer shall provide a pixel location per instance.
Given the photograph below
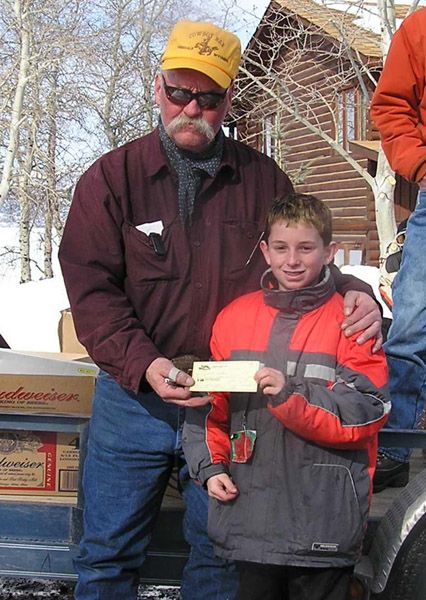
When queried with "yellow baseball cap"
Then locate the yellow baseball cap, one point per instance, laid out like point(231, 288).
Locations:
point(203, 47)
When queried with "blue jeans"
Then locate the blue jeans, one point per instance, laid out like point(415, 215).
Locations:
point(406, 344)
point(133, 443)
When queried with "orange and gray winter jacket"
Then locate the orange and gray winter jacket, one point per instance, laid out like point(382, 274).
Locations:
point(304, 494)
point(398, 107)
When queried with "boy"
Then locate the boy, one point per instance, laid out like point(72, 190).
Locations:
point(288, 469)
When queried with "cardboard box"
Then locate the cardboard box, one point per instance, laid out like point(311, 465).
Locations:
point(38, 463)
point(68, 341)
point(43, 385)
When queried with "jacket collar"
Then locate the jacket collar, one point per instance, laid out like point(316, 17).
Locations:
point(297, 301)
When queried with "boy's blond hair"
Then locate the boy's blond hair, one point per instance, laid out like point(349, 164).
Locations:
point(301, 208)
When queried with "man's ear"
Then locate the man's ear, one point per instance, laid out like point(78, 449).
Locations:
point(330, 252)
point(157, 88)
point(265, 251)
point(229, 95)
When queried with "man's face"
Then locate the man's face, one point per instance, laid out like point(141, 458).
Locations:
point(191, 127)
point(296, 254)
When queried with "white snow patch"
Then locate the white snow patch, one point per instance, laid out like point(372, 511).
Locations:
point(29, 312)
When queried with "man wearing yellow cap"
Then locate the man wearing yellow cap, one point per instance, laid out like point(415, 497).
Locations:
point(161, 234)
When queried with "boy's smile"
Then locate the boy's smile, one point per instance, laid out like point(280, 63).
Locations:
point(296, 254)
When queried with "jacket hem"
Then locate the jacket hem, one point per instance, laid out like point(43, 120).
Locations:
point(288, 560)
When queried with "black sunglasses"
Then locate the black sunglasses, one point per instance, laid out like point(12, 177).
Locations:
point(183, 96)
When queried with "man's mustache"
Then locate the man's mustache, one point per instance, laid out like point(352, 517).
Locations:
point(199, 124)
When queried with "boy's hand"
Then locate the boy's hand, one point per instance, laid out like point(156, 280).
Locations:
point(362, 314)
point(270, 381)
point(222, 487)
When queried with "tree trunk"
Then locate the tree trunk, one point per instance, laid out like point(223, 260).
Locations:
point(24, 241)
point(16, 116)
point(47, 245)
point(51, 210)
point(384, 191)
point(24, 171)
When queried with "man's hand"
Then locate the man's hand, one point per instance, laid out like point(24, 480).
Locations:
point(175, 390)
point(222, 487)
point(362, 314)
point(422, 183)
point(270, 381)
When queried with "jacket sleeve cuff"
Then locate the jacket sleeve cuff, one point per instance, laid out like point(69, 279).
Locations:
point(207, 472)
point(289, 388)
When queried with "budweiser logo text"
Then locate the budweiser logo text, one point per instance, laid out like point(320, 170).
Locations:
point(53, 396)
point(22, 464)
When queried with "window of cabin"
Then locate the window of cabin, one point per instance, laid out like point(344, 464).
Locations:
point(351, 117)
point(350, 253)
point(230, 130)
point(269, 136)
point(272, 139)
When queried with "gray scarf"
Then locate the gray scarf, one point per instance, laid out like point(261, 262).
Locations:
point(191, 169)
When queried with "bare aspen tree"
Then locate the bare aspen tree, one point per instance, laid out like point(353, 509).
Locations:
point(21, 8)
point(76, 79)
point(52, 218)
point(23, 196)
point(118, 70)
point(48, 35)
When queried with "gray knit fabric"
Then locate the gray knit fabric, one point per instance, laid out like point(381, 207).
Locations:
point(191, 169)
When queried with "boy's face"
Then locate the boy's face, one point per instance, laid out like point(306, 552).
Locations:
point(296, 254)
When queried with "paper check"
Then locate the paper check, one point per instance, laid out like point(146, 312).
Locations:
point(225, 376)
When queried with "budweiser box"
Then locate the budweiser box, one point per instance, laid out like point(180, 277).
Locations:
point(51, 385)
point(38, 462)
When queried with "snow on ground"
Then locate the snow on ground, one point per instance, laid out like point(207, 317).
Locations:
point(371, 276)
point(11, 589)
point(29, 312)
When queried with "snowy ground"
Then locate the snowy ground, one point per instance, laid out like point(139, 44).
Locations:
point(11, 589)
point(30, 312)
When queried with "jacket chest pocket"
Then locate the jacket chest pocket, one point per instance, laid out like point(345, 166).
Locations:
point(144, 262)
point(240, 241)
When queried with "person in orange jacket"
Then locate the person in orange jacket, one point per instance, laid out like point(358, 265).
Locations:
point(399, 110)
point(286, 464)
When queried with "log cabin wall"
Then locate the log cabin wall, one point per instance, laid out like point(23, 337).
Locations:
point(314, 166)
